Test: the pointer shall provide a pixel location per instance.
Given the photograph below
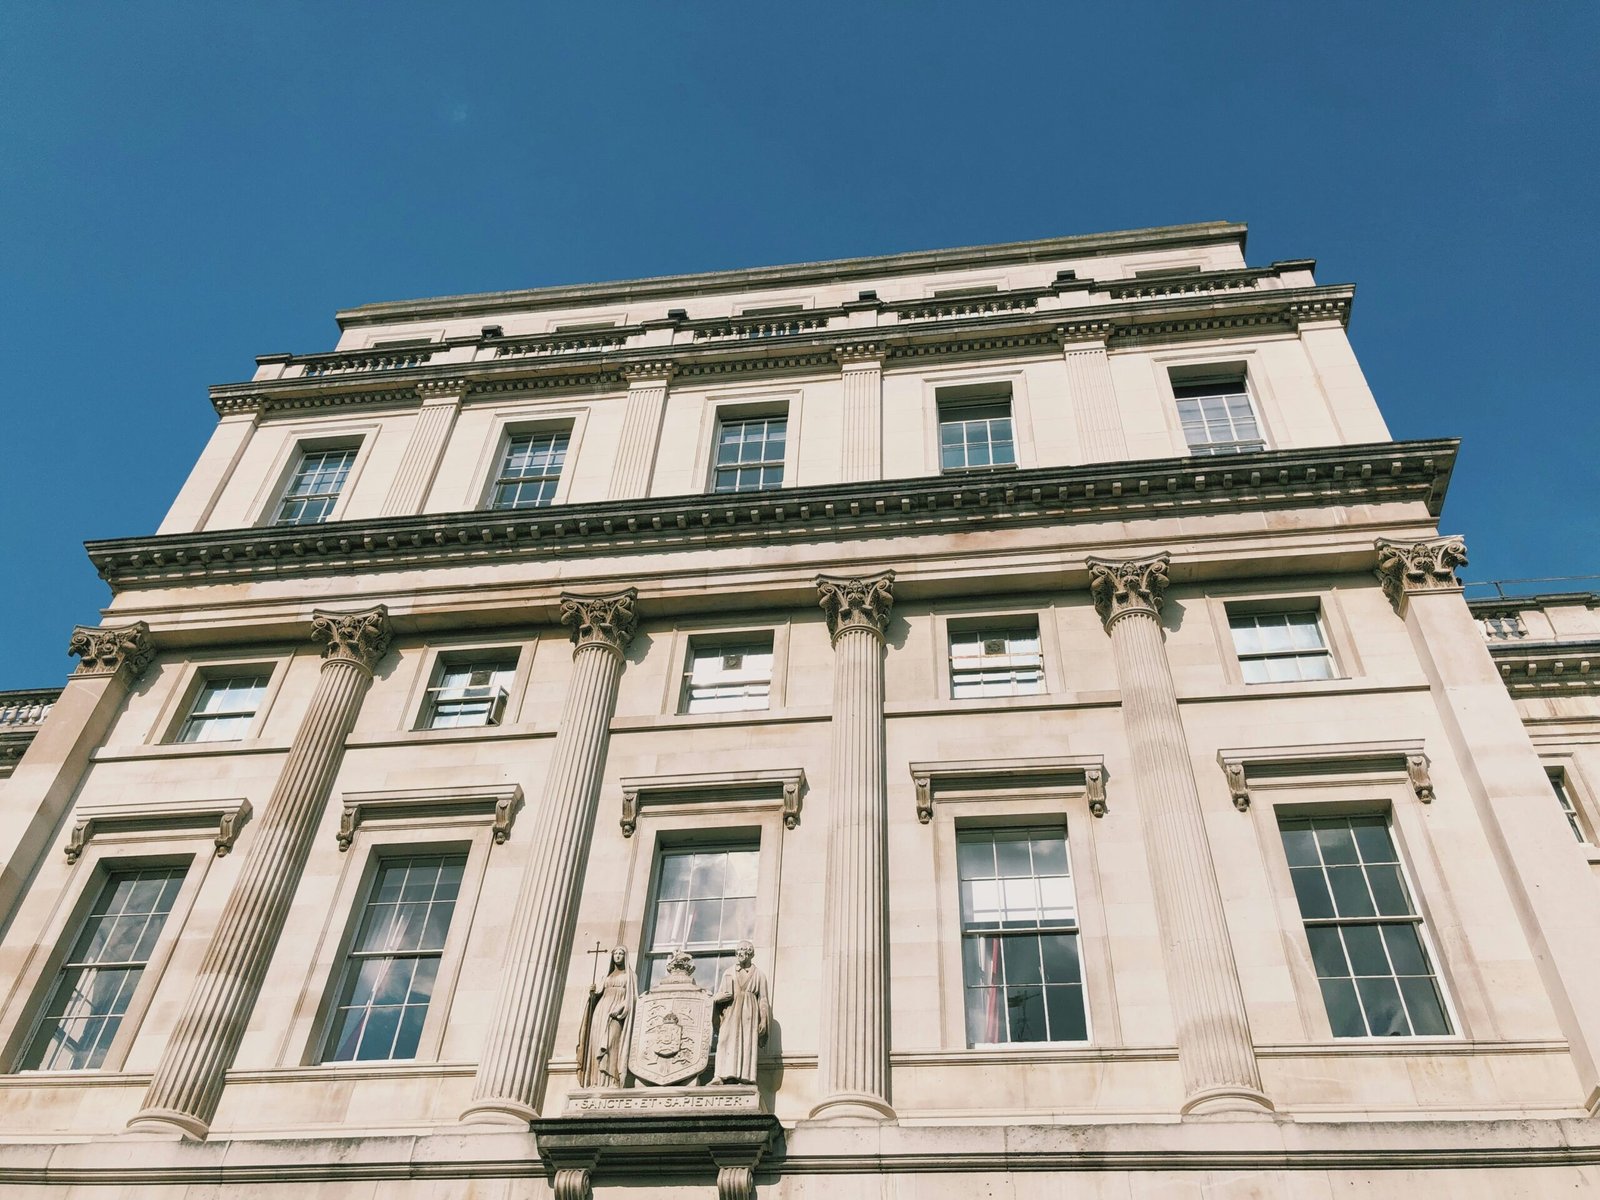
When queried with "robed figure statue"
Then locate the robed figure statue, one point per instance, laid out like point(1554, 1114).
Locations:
point(746, 1009)
point(608, 1026)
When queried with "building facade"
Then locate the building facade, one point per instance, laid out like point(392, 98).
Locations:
point(1042, 654)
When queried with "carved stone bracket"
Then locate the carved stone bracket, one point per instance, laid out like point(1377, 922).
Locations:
point(572, 1183)
point(107, 649)
point(859, 352)
point(361, 638)
point(625, 1148)
point(1427, 566)
point(856, 603)
point(1130, 586)
point(974, 779)
point(500, 802)
point(607, 621)
point(227, 817)
point(1290, 764)
point(736, 1183)
point(765, 786)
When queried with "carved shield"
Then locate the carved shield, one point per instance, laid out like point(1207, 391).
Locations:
point(671, 1032)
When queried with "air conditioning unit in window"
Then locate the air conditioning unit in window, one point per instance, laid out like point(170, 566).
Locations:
point(490, 698)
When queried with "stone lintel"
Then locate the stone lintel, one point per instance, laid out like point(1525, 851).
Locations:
point(612, 1146)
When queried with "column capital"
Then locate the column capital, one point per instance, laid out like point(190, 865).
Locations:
point(1130, 586)
point(606, 621)
point(442, 389)
point(1425, 566)
point(359, 637)
point(859, 353)
point(1083, 335)
point(653, 371)
point(856, 603)
point(107, 649)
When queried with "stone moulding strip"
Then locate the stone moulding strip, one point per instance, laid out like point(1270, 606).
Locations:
point(227, 817)
point(1365, 474)
point(767, 784)
point(972, 777)
point(499, 801)
point(1405, 759)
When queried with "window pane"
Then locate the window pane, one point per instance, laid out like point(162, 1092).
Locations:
point(1025, 1011)
point(1064, 1008)
point(1344, 1010)
point(1380, 1000)
point(1425, 1006)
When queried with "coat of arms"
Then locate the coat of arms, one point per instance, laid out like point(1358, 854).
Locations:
point(672, 1027)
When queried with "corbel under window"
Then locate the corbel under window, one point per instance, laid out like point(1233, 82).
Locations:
point(1339, 758)
point(777, 785)
point(499, 802)
point(1086, 772)
point(226, 816)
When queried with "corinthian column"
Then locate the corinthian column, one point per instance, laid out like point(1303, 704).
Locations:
point(511, 1073)
point(861, 371)
point(641, 428)
point(853, 1059)
point(1214, 1047)
point(182, 1097)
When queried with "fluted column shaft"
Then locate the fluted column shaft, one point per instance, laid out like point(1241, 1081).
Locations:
point(863, 418)
point(641, 430)
point(1093, 398)
point(511, 1073)
point(408, 489)
point(1215, 1051)
point(187, 1084)
point(853, 1058)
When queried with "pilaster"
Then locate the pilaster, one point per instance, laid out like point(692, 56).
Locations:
point(861, 372)
point(1090, 392)
point(509, 1086)
point(853, 1058)
point(641, 428)
point(183, 1094)
point(1215, 1051)
point(441, 403)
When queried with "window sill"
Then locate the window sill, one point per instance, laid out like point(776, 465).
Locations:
point(1350, 686)
point(748, 716)
point(381, 1069)
point(978, 704)
point(188, 750)
point(1030, 1052)
point(468, 733)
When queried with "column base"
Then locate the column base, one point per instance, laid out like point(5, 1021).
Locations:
point(505, 1113)
point(1232, 1100)
point(853, 1108)
point(166, 1124)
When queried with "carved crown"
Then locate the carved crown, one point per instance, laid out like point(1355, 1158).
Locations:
point(607, 621)
point(108, 649)
point(1419, 566)
point(856, 603)
point(1133, 585)
point(359, 637)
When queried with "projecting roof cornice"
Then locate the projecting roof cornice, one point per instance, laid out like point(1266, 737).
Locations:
point(1004, 323)
point(1548, 668)
point(1166, 237)
point(1366, 474)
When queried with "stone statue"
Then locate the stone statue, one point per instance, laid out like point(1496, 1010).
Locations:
point(608, 1026)
point(746, 1007)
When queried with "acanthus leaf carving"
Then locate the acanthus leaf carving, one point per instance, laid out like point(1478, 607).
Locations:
point(361, 638)
point(1128, 586)
point(107, 649)
point(607, 621)
point(856, 603)
point(1430, 565)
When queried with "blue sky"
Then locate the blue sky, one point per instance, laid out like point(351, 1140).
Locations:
point(183, 187)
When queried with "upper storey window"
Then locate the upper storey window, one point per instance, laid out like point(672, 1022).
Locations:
point(315, 486)
point(471, 691)
point(1279, 647)
point(1217, 416)
point(750, 453)
point(728, 676)
point(224, 708)
point(975, 430)
point(530, 469)
point(996, 661)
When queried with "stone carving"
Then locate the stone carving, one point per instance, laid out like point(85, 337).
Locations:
point(359, 637)
point(607, 621)
point(1135, 585)
point(671, 1039)
point(1094, 787)
point(650, 370)
point(859, 352)
point(1419, 779)
point(108, 649)
point(745, 1002)
point(608, 1026)
point(856, 603)
point(1419, 566)
point(1238, 786)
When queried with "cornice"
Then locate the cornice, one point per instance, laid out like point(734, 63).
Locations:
point(1417, 472)
point(1548, 668)
point(1005, 323)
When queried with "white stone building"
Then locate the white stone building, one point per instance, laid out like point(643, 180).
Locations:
point(1041, 652)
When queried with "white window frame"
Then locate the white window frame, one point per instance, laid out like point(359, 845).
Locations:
point(994, 630)
point(1224, 601)
point(950, 404)
point(1241, 657)
point(502, 428)
point(429, 668)
point(956, 617)
point(499, 699)
point(508, 438)
point(702, 645)
point(724, 421)
point(739, 406)
point(958, 383)
point(191, 680)
point(1569, 790)
point(685, 636)
point(1177, 368)
point(296, 440)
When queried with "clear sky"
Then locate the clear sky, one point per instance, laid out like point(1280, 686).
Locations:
point(183, 187)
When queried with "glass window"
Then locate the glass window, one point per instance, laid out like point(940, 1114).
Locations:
point(530, 470)
point(394, 961)
point(705, 903)
point(996, 662)
point(976, 435)
point(1558, 781)
point(750, 454)
point(224, 708)
point(728, 676)
point(1367, 939)
point(470, 692)
point(1217, 417)
point(1280, 647)
point(102, 971)
point(315, 486)
point(1019, 937)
